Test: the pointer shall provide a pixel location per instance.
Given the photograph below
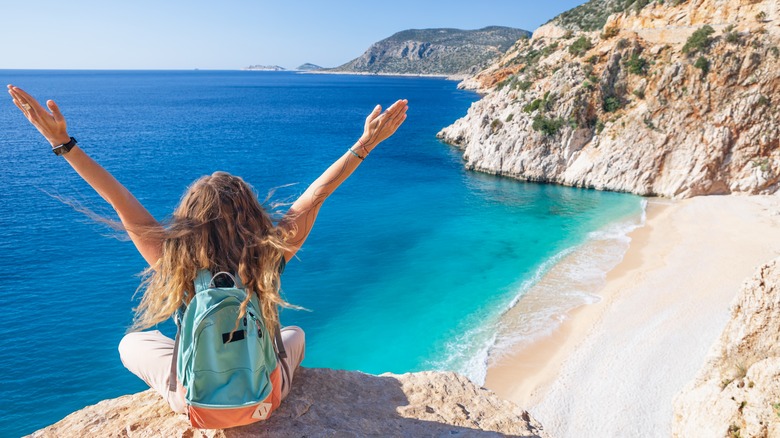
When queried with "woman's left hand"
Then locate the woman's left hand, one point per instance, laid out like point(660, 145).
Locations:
point(379, 127)
point(51, 124)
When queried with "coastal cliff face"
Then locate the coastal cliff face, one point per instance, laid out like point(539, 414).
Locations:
point(435, 51)
point(668, 99)
point(737, 392)
point(326, 403)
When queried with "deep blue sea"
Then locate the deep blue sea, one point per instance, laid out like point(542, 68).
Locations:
point(410, 265)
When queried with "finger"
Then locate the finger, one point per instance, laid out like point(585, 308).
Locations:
point(55, 111)
point(397, 112)
point(20, 100)
point(374, 114)
point(26, 109)
point(24, 97)
point(397, 121)
point(398, 104)
point(19, 105)
point(396, 107)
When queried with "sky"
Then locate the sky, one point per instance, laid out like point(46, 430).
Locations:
point(231, 34)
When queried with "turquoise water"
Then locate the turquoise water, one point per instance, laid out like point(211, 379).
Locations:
point(409, 261)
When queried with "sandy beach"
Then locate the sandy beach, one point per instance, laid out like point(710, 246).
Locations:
point(613, 368)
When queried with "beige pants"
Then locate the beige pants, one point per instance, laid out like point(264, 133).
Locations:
point(148, 356)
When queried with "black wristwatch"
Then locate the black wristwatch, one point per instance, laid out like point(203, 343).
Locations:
point(65, 147)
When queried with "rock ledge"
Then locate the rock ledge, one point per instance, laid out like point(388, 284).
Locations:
point(326, 403)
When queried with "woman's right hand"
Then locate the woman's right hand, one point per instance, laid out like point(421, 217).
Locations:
point(51, 124)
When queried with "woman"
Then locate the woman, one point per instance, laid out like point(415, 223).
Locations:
point(219, 225)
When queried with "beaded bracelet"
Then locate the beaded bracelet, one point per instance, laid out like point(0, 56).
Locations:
point(355, 153)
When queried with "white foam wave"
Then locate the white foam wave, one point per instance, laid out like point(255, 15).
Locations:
point(567, 280)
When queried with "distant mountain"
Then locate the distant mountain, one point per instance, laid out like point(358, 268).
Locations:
point(435, 51)
point(309, 67)
point(264, 68)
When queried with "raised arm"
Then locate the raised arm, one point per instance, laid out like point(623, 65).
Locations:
point(301, 216)
point(132, 214)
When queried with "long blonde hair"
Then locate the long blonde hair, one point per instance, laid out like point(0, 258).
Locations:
point(218, 225)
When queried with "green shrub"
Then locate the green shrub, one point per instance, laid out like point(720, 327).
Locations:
point(496, 125)
point(510, 117)
point(639, 93)
point(761, 163)
point(640, 4)
point(599, 127)
point(761, 16)
point(703, 64)
point(593, 59)
point(699, 40)
point(637, 65)
point(611, 104)
point(532, 57)
point(547, 126)
point(774, 51)
point(523, 85)
point(533, 106)
point(549, 50)
point(622, 44)
point(580, 46)
point(732, 37)
point(763, 100)
point(543, 104)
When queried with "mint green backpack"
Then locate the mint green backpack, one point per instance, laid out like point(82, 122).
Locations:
point(230, 375)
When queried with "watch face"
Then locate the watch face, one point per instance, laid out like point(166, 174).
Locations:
point(63, 148)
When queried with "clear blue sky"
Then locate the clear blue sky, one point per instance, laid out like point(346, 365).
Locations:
point(230, 34)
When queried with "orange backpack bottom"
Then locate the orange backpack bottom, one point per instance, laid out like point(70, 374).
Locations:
point(210, 418)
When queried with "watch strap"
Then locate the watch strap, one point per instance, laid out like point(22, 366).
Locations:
point(65, 147)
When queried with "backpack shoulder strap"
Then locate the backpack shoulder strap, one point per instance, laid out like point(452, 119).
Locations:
point(202, 280)
point(172, 376)
point(201, 283)
point(279, 343)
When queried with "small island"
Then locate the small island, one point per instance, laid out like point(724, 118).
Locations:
point(264, 68)
point(309, 67)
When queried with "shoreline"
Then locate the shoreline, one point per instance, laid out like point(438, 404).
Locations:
point(454, 77)
point(661, 309)
point(539, 360)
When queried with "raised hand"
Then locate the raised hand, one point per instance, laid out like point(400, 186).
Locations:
point(51, 124)
point(379, 127)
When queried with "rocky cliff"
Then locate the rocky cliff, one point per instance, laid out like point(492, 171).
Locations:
point(677, 99)
point(435, 51)
point(737, 392)
point(327, 403)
